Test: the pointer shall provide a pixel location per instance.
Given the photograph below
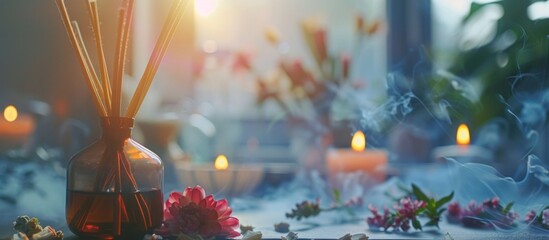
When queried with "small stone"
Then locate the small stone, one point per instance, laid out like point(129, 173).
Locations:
point(359, 236)
point(152, 237)
point(447, 236)
point(246, 228)
point(251, 235)
point(282, 227)
point(290, 236)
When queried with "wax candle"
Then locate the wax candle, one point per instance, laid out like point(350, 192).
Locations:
point(463, 150)
point(15, 128)
point(221, 178)
point(358, 158)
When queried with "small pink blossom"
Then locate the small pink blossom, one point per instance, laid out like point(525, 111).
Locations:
point(472, 209)
point(406, 211)
point(530, 216)
point(454, 210)
point(378, 220)
point(409, 208)
point(354, 202)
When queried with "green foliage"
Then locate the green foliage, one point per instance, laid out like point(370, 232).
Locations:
point(524, 48)
point(304, 209)
point(507, 208)
point(433, 208)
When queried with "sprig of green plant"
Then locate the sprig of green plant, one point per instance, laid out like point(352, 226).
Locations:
point(433, 207)
point(308, 209)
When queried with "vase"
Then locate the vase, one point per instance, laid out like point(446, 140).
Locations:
point(114, 186)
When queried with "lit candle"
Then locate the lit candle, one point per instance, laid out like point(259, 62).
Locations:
point(15, 128)
point(221, 177)
point(463, 149)
point(371, 162)
point(221, 162)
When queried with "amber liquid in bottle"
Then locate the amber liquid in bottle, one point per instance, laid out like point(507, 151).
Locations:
point(92, 214)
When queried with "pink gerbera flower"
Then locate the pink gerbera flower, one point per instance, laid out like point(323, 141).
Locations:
point(194, 213)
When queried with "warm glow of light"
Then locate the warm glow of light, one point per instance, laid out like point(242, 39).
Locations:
point(10, 113)
point(359, 141)
point(209, 46)
point(221, 162)
point(205, 8)
point(462, 136)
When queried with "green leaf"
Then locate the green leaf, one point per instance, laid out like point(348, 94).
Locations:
point(441, 211)
point(508, 207)
point(419, 194)
point(431, 223)
point(389, 222)
point(445, 200)
point(337, 195)
point(403, 188)
point(416, 224)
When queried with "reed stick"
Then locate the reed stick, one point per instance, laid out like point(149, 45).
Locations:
point(89, 63)
point(117, 82)
point(105, 82)
point(96, 96)
point(124, 28)
point(158, 53)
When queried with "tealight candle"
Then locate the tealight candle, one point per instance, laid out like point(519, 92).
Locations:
point(463, 149)
point(221, 178)
point(15, 128)
point(371, 162)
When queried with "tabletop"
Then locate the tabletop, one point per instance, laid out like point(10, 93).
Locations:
point(264, 214)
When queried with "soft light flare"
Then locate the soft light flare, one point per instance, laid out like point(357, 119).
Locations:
point(221, 162)
point(359, 141)
point(205, 8)
point(10, 113)
point(462, 136)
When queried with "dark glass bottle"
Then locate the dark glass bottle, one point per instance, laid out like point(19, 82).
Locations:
point(114, 186)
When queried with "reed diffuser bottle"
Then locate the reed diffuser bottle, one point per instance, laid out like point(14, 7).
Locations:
point(114, 187)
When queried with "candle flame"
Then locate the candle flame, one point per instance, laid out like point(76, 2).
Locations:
point(359, 141)
point(10, 113)
point(221, 162)
point(462, 136)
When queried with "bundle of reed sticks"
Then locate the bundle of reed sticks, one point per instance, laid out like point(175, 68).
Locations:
point(106, 93)
point(106, 90)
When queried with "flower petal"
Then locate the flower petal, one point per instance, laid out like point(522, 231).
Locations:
point(174, 197)
point(222, 205)
point(208, 202)
point(229, 222)
point(195, 194)
point(233, 234)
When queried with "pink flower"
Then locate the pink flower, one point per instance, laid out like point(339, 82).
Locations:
point(473, 209)
point(408, 208)
point(354, 202)
point(530, 216)
point(491, 203)
point(378, 220)
point(454, 210)
point(194, 213)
